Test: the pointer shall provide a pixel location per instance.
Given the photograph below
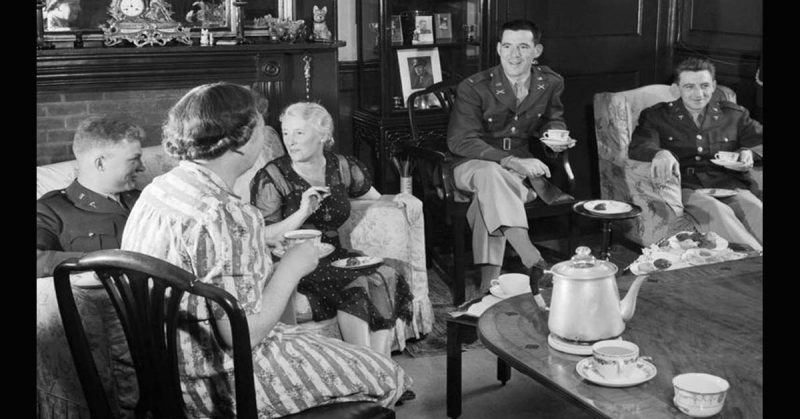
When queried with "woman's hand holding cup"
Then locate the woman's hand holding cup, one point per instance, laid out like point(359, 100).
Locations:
point(303, 258)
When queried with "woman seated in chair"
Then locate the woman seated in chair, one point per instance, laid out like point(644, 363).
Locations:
point(190, 218)
point(310, 187)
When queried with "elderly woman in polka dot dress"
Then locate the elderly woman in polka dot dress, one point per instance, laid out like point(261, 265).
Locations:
point(310, 187)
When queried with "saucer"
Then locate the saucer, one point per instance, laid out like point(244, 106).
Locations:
point(498, 292)
point(735, 165)
point(717, 192)
point(552, 142)
point(611, 207)
point(568, 347)
point(357, 262)
point(324, 249)
point(644, 371)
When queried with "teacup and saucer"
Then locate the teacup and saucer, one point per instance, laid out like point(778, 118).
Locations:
point(616, 363)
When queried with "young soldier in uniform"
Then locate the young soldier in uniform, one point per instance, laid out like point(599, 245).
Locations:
point(496, 115)
point(682, 137)
point(90, 213)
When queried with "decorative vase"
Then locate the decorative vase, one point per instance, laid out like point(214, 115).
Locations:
point(405, 184)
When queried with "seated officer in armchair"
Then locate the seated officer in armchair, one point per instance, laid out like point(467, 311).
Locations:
point(497, 113)
point(683, 137)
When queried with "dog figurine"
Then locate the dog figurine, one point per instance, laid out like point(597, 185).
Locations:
point(321, 31)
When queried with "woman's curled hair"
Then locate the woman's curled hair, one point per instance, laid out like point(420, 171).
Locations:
point(209, 120)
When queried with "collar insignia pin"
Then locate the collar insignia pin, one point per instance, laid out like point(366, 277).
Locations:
point(540, 78)
point(92, 204)
point(540, 86)
point(680, 117)
point(500, 92)
point(716, 116)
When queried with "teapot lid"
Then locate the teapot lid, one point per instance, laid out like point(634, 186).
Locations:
point(584, 266)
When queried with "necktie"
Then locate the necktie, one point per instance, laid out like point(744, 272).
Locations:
point(520, 91)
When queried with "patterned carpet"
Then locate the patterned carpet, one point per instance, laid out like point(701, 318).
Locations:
point(435, 343)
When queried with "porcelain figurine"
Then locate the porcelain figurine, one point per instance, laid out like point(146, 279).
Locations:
point(321, 31)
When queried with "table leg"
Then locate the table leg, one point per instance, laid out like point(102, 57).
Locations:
point(605, 249)
point(503, 371)
point(453, 370)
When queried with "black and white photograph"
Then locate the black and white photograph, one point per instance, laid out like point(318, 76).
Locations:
point(395, 209)
point(419, 68)
point(444, 27)
point(423, 30)
point(396, 28)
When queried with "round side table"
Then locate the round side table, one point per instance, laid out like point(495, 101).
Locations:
point(606, 219)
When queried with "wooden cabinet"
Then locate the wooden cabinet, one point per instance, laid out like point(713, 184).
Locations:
point(394, 42)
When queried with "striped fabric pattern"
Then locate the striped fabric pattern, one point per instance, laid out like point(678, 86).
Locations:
point(191, 219)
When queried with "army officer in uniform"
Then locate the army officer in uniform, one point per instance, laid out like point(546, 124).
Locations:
point(682, 137)
point(90, 213)
point(496, 114)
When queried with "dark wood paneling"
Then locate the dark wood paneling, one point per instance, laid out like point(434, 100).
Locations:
point(735, 25)
point(596, 18)
point(348, 97)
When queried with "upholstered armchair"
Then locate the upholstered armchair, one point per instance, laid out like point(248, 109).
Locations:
point(615, 117)
point(380, 228)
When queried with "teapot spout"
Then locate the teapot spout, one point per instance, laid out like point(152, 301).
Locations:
point(628, 304)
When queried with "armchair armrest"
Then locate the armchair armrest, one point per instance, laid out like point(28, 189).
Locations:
point(393, 228)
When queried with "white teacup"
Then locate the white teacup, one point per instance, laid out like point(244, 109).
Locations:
point(727, 156)
point(557, 135)
point(699, 395)
point(614, 358)
point(295, 237)
point(512, 284)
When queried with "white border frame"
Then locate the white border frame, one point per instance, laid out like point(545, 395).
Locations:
point(404, 56)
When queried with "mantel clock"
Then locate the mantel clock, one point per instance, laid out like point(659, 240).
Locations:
point(143, 22)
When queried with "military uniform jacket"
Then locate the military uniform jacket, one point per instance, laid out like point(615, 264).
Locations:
point(486, 122)
point(726, 127)
point(76, 220)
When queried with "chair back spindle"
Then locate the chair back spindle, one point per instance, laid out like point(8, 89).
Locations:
point(146, 293)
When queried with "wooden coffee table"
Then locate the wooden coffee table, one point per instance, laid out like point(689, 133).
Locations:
point(700, 319)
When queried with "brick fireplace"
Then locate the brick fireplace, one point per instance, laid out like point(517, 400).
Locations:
point(143, 83)
point(58, 114)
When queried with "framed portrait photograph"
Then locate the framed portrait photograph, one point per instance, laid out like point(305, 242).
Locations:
point(444, 26)
point(423, 30)
point(397, 30)
point(419, 68)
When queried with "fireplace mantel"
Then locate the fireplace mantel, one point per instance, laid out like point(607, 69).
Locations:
point(109, 69)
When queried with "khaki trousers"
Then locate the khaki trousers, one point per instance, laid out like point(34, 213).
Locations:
point(499, 198)
point(738, 218)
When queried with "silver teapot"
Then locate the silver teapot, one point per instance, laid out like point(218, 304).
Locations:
point(585, 304)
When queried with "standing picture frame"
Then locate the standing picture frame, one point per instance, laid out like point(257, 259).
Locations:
point(444, 26)
point(397, 30)
point(423, 30)
point(419, 68)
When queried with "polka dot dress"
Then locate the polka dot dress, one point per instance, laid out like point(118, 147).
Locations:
point(379, 295)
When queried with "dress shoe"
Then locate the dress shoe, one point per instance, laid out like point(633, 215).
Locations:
point(407, 395)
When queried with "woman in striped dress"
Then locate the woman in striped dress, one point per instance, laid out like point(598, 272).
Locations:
point(191, 218)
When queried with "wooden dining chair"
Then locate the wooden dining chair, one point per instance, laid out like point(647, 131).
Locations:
point(443, 203)
point(146, 293)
